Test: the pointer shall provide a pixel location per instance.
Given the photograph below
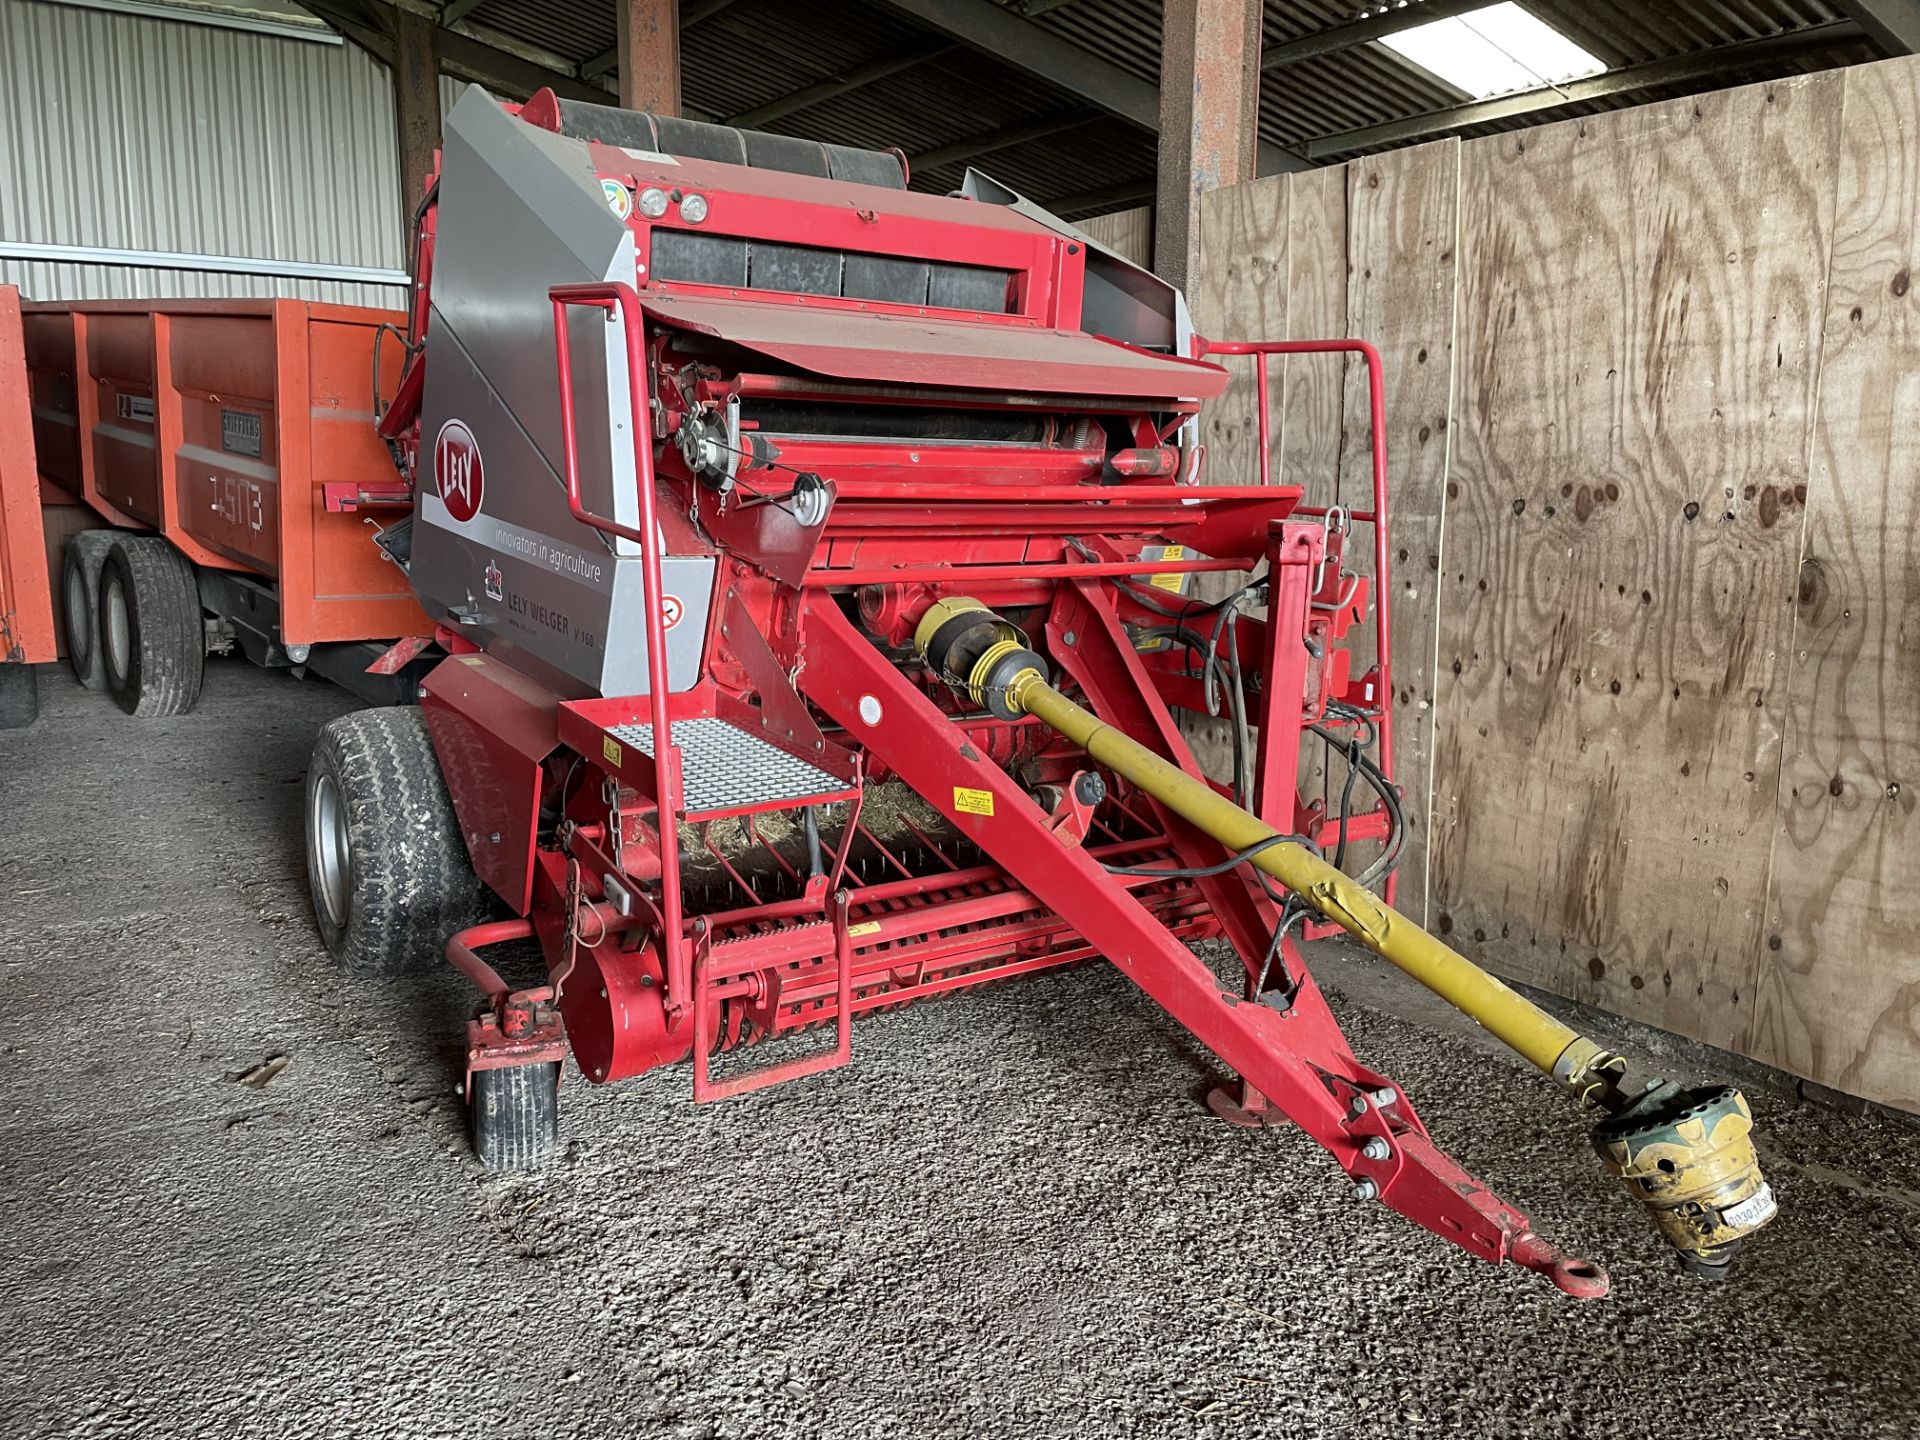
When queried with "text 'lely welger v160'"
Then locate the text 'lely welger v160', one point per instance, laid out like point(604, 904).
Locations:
point(814, 565)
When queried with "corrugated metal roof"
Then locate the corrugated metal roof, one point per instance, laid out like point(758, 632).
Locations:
point(750, 53)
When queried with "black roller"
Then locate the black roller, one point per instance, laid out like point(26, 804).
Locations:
point(697, 140)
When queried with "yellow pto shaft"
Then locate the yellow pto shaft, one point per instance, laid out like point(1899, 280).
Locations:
point(1574, 1061)
point(1686, 1156)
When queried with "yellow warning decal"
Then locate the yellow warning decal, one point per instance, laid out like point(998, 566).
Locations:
point(1171, 583)
point(610, 748)
point(865, 927)
point(973, 802)
point(473, 659)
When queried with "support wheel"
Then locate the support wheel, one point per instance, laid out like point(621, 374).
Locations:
point(515, 1114)
point(153, 638)
point(80, 561)
point(386, 863)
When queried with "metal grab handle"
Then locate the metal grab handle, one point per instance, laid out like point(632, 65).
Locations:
point(617, 298)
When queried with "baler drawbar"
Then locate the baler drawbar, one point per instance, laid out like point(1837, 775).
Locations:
point(816, 565)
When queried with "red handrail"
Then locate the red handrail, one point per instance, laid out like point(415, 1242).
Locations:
point(616, 298)
point(1377, 426)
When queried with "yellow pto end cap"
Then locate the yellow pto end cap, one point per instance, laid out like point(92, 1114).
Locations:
point(1687, 1156)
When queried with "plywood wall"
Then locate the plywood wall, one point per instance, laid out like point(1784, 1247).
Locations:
point(1403, 224)
point(1127, 232)
point(1838, 982)
point(1652, 378)
point(1641, 301)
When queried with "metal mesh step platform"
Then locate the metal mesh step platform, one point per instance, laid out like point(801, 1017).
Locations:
point(723, 767)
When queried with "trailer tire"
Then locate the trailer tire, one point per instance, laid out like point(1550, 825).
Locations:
point(19, 696)
point(386, 864)
point(515, 1115)
point(80, 561)
point(153, 637)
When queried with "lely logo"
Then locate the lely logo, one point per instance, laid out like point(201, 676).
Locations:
point(457, 472)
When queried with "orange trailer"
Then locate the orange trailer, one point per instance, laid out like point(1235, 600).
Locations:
point(26, 608)
point(230, 480)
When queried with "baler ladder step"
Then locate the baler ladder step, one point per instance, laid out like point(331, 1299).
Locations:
point(726, 768)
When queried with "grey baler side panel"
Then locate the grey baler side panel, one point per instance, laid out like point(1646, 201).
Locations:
point(521, 210)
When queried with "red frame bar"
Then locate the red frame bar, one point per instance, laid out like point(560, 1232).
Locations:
point(1377, 426)
point(615, 297)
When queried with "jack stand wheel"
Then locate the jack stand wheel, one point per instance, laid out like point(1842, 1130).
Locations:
point(515, 1115)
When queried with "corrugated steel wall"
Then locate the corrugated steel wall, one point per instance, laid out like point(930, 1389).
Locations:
point(131, 133)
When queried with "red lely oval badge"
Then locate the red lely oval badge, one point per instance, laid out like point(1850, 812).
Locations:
point(457, 471)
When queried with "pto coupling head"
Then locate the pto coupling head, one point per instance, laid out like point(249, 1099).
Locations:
point(1687, 1156)
point(977, 653)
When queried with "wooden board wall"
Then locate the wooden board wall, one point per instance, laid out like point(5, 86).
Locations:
point(1654, 483)
point(1839, 968)
point(1239, 291)
point(1641, 301)
point(1403, 219)
point(1128, 232)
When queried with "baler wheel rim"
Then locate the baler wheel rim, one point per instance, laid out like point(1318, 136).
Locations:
point(332, 841)
point(387, 866)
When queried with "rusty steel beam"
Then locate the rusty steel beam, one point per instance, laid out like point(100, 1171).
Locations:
point(369, 24)
point(649, 45)
point(605, 62)
point(1209, 110)
point(416, 104)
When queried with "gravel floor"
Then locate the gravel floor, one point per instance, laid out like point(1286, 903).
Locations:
point(1009, 1217)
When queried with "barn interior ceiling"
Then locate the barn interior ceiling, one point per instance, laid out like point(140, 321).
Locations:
point(1058, 98)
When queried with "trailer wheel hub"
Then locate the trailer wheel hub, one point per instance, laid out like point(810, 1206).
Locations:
point(116, 627)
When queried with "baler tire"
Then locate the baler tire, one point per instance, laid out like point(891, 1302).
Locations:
point(386, 863)
point(515, 1115)
point(153, 636)
point(80, 561)
point(19, 695)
